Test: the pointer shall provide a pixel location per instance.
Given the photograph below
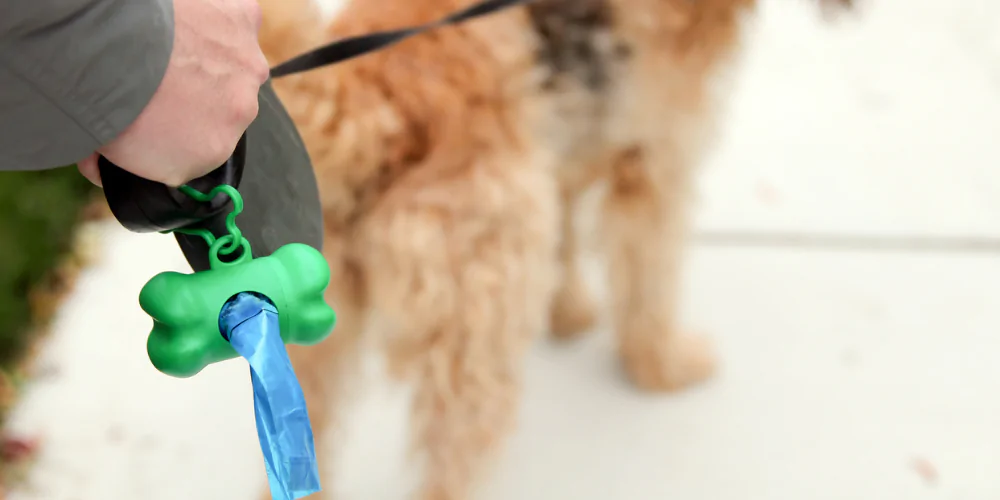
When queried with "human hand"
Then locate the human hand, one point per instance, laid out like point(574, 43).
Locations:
point(206, 101)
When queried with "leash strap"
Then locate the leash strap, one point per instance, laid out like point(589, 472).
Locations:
point(348, 48)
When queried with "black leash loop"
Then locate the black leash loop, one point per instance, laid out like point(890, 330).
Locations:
point(348, 48)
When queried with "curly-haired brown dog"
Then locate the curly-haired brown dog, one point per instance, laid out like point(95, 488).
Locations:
point(449, 167)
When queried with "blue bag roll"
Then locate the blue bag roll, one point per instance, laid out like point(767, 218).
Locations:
point(249, 321)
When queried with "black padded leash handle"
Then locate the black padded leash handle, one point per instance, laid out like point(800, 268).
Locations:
point(349, 48)
point(145, 206)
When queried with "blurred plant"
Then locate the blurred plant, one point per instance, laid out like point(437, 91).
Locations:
point(39, 216)
point(39, 212)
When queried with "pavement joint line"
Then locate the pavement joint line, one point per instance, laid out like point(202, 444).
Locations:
point(849, 242)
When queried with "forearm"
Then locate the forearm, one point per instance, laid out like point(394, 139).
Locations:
point(75, 73)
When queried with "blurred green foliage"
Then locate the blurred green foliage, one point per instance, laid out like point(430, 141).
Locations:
point(39, 212)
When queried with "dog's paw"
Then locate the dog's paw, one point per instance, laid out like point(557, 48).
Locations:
point(682, 361)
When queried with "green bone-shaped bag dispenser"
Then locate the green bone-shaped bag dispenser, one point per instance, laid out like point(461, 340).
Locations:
point(185, 307)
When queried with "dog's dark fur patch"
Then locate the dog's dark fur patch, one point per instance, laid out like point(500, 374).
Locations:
point(575, 37)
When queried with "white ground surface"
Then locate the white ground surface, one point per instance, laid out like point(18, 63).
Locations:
point(841, 370)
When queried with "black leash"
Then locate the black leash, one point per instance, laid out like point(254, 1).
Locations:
point(348, 48)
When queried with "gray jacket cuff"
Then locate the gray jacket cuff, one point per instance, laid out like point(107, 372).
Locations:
point(75, 73)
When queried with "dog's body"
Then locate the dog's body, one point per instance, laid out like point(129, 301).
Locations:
point(450, 166)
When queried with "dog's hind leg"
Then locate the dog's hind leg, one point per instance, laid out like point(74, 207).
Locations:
point(462, 278)
point(573, 309)
point(645, 229)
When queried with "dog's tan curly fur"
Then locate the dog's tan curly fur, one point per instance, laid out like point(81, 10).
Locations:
point(450, 166)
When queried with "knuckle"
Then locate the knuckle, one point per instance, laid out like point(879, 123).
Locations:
point(250, 107)
point(262, 70)
point(245, 106)
point(251, 113)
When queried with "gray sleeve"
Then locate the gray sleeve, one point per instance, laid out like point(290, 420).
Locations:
point(75, 73)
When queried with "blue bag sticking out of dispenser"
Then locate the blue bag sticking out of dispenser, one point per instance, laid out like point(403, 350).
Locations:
point(249, 321)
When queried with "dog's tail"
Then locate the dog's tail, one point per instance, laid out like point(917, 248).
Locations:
point(289, 27)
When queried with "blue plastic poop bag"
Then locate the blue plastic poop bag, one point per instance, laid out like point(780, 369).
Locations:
point(249, 321)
